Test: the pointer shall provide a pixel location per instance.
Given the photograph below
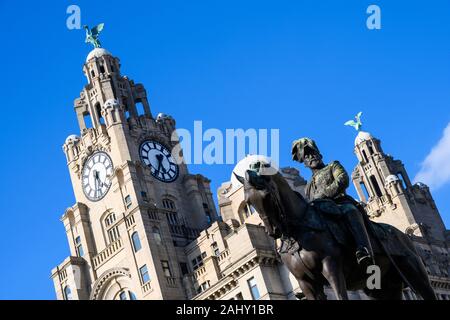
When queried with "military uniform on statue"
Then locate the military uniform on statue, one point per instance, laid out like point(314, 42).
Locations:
point(331, 182)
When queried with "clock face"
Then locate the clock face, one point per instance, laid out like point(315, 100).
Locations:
point(96, 178)
point(160, 161)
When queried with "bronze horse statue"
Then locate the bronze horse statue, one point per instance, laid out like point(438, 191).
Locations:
point(318, 252)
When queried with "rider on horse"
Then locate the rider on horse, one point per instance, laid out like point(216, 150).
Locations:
point(330, 182)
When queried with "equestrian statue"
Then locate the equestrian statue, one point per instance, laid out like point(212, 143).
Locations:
point(328, 239)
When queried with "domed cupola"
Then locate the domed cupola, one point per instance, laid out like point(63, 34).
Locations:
point(97, 53)
point(362, 137)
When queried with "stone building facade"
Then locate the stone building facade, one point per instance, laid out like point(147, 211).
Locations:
point(143, 227)
point(383, 183)
point(135, 209)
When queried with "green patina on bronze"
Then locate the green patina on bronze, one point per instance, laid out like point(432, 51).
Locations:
point(330, 182)
point(93, 34)
point(298, 148)
point(357, 124)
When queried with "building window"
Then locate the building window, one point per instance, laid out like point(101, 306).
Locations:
point(215, 248)
point(157, 235)
point(253, 288)
point(184, 268)
point(198, 261)
point(239, 296)
point(145, 276)
point(144, 196)
point(136, 242)
point(364, 190)
point(376, 187)
point(110, 219)
point(102, 69)
point(111, 229)
point(98, 109)
point(87, 120)
point(366, 160)
point(123, 296)
point(166, 268)
point(402, 180)
point(371, 149)
point(79, 247)
point(204, 286)
point(128, 201)
point(168, 204)
point(172, 217)
point(207, 213)
point(208, 218)
point(127, 295)
point(67, 293)
point(113, 234)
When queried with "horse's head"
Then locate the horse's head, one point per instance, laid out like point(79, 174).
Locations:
point(262, 193)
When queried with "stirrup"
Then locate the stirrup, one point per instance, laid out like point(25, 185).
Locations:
point(363, 256)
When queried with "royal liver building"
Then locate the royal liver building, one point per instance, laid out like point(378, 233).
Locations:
point(143, 227)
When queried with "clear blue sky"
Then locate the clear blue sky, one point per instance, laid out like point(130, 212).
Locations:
point(304, 67)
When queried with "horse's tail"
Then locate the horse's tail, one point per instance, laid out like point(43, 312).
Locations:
point(404, 258)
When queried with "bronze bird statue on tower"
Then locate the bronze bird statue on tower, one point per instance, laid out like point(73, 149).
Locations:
point(92, 35)
point(357, 124)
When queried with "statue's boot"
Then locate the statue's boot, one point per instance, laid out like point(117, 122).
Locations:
point(364, 253)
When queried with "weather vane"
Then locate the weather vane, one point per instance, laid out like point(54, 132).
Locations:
point(355, 124)
point(92, 35)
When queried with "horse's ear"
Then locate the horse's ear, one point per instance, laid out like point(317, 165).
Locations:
point(240, 179)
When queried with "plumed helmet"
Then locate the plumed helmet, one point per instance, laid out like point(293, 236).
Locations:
point(298, 148)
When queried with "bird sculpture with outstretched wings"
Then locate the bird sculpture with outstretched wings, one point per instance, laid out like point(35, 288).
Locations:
point(357, 124)
point(92, 35)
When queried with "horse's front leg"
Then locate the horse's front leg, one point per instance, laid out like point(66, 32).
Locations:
point(333, 272)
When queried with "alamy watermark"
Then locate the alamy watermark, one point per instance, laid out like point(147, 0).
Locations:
point(73, 21)
point(373, 22)
point(374, 280)
point(214, 146)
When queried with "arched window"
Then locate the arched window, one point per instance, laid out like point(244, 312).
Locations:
point(110, 219)
point(79, 247)
point(376, 187)
point(126, 295)
point(366, 160)
point(98, 109)
point(157, 235)
point(364, 190)
point(136, 242)
point(168, 204)
point(172, 216)
point(112, 228)
point(67, 293)
point(87, 120)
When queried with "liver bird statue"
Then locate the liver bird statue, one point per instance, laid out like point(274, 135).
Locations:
point(92, 35)
point(357, 124)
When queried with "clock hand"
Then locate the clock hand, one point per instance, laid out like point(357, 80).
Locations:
point(97, 179)
point(95, 182)
point(159, 158)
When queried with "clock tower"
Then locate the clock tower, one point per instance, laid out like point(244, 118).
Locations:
point(136, 207)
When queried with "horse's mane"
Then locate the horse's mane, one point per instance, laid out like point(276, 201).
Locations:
point(287, 202)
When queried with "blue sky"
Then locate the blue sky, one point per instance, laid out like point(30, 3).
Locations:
point(304, 67)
